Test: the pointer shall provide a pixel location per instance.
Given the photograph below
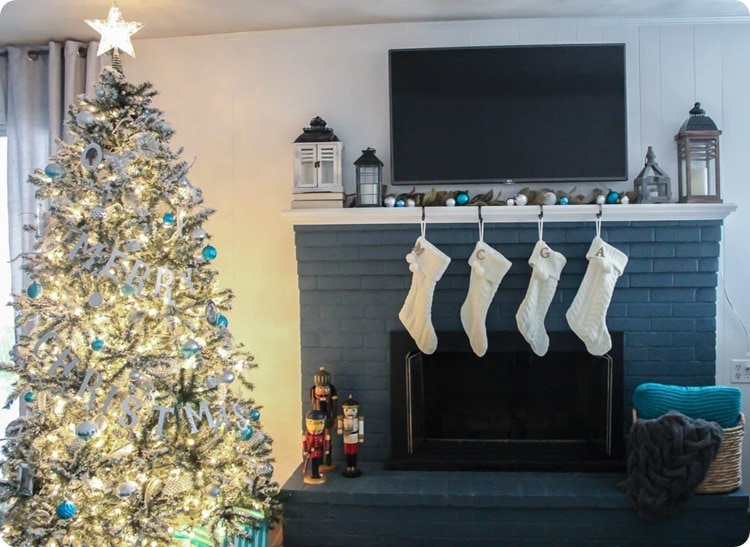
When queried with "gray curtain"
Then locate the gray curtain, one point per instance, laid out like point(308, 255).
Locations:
point(36, 87)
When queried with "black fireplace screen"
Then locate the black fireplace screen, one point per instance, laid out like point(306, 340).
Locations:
point(507, 410)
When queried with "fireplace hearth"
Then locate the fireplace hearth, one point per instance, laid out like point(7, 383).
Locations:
point(507, 410)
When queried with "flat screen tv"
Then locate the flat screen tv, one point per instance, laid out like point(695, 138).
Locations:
point(552, 113)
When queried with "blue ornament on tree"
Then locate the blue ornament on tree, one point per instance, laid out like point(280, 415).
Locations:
point(29, 397)
point(189, 349)
point(97, 344)
point(222, 321)
point(66, 510)
point(564, 200)
point(53, 171)
point(254, 415)
point(127, 289)
point(168, 219)
point(34, 290)
point(209, 252)
point(246, 434)
point(462, 198)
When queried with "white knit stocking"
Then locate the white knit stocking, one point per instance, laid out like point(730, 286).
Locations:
point(546, 266)
point(428, 264)
point(488, 267)
point(587, 314)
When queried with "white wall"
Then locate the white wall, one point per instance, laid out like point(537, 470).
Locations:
point(238, 101)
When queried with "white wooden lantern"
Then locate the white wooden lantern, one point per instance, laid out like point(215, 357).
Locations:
point(317, 159)
point(698, 158)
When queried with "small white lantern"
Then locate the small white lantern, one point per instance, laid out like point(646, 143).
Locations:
point(317, 159)
point(369, 179)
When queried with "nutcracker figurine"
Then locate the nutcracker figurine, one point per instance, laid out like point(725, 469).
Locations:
point(323, 398)
point(315, 444)
point(351, 427)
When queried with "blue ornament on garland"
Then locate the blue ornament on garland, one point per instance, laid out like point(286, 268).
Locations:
point(246, 434)
point(564, 200)
point(29, 396)
point(612, 197)
point(168, 219)
point(254, 415)
point(462, 198)
point(209, 252)
point(400, 203)
point(66, 510)
point(222, 322)
point(97, 344)
point(34, 290)
point(189, 349)
point(53, 171)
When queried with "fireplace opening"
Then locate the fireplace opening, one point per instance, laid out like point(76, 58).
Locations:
point(507, 410)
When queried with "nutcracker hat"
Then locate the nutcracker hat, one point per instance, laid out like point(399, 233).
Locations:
point(315, 415)
point(322, 378)
point(350, 402)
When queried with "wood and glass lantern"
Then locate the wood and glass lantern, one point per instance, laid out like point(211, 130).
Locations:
point(652, 183)
point(317, 159)
point(369, 171)
point(698, 158)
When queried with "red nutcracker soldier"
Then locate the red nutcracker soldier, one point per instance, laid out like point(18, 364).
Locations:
point(315, 445)
point(323, 398)
point(351, 427)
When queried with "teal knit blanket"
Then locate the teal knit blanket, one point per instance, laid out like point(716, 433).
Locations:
point(720, 404)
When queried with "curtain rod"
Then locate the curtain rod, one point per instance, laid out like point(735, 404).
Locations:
point(35, 52)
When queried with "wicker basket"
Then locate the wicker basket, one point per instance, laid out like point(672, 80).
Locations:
point(725, 472)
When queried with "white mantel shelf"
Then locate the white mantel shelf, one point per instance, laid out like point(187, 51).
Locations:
point(505, 214)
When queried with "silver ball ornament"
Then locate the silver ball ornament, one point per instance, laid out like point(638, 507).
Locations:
point(265, 469)
point(411, 202)
point(510, 202)
point(212, 383)
point(135, 376)
point(86, 430)
point(450, 202)
point(214, 490)
point(96, 300)
point(521, 199)
point(600, 199)
point(127, 488)
point(227, 377)
point(84, 117)
point(98, 213)
point(389, 201)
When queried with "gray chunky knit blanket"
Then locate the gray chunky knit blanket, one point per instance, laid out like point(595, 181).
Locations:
point(669, 457)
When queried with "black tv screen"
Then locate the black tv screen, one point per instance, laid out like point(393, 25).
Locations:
point(552, 113)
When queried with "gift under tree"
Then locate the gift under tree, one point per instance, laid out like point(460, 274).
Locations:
point(139, 421)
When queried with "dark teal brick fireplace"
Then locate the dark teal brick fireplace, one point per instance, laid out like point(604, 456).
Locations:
point(353, 280)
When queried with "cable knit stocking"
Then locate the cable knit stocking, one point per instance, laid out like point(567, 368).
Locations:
point(587, 314)
point(428, 264)
point(546, 266)
point(488, 267)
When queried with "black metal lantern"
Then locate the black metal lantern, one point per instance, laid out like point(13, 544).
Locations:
point(698, 158)
point(652, 183)
point(369, 179)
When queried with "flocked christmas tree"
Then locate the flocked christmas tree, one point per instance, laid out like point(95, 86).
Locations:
point(139, 423)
